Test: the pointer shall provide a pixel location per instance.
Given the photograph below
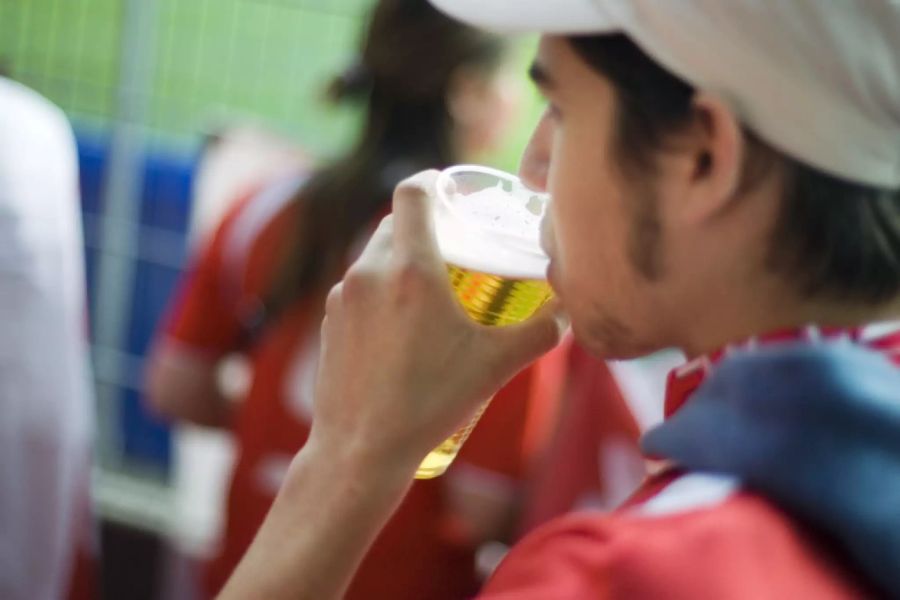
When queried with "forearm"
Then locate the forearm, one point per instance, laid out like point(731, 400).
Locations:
point(322, 522)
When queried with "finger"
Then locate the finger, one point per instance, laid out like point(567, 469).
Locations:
point(413, 217)
point(333, 300)
point(518, 345)
point(377, 251)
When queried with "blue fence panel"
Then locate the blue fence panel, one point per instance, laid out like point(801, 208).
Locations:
point(164, 219)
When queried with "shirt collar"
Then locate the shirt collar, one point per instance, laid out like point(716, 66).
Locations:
point(684, 380)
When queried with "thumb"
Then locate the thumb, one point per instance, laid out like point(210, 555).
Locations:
point(518, 345)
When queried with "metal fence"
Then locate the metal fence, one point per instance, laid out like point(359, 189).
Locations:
point(143, 81)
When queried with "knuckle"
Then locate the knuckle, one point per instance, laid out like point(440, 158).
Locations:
point(358, 283)
point(411, 273)
point(416, 186)
point(414, 282)
point(407, 284)
point(385, 228)
point(386, 224)
point(334, 298)
point(543, 336)
point(552, 334)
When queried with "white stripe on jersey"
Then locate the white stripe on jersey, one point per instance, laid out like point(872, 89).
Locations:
point(690, 492)
point(255, 215)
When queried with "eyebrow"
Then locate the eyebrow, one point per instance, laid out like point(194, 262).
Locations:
point(540, 76)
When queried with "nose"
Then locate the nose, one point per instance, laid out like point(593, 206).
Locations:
point(535, 164)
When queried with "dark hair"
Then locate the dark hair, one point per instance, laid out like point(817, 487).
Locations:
point(835, 239)
point(409, 55)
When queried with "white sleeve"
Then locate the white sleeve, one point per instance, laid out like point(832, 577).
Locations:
point(45, 398)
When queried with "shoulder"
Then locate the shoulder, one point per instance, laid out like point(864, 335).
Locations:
point(217, 287)
point(704, 539)
point(33, 129)
point(24, 108)
point(38, 167)
point(255, 223)
point(257, 210)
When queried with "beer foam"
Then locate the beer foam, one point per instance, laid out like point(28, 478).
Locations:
point(493, 231)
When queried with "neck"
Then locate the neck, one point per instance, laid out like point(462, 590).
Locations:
point(711, 330)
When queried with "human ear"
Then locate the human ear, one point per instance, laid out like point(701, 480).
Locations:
point(715, 146)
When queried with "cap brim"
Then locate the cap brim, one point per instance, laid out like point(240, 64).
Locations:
point(569, 17)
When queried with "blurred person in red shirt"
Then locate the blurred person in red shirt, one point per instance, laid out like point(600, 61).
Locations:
point(593, 459)
point(433, 93)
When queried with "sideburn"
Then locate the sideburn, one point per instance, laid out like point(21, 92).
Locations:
point(646, 233)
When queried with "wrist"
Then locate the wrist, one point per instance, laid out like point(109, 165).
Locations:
point(328, 512)
point(352, 464)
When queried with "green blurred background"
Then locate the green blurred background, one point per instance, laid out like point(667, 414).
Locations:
point(144, 82)
point(211, 61)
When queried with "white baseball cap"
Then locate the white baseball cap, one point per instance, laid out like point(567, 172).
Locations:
point(817, 79)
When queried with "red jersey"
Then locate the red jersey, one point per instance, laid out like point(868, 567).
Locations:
point(688, 535)
point(594, 459)
point(420, 553)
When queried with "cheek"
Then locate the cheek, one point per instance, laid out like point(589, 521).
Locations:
point(590, 222)
point(589, 227)
point(590, 233)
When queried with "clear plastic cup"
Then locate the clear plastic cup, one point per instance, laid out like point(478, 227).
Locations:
point(487, 225)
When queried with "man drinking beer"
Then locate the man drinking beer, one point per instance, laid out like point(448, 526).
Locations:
point(725, 179)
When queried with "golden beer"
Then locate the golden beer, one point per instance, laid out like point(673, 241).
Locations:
point(487, 225)
point(490, 300)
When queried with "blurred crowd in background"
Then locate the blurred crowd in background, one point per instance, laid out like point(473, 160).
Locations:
point(203, 172)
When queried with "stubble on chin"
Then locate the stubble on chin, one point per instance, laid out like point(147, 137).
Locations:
point(608, 337)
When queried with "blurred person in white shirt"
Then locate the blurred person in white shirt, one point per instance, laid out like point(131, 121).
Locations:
point(45, 395)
